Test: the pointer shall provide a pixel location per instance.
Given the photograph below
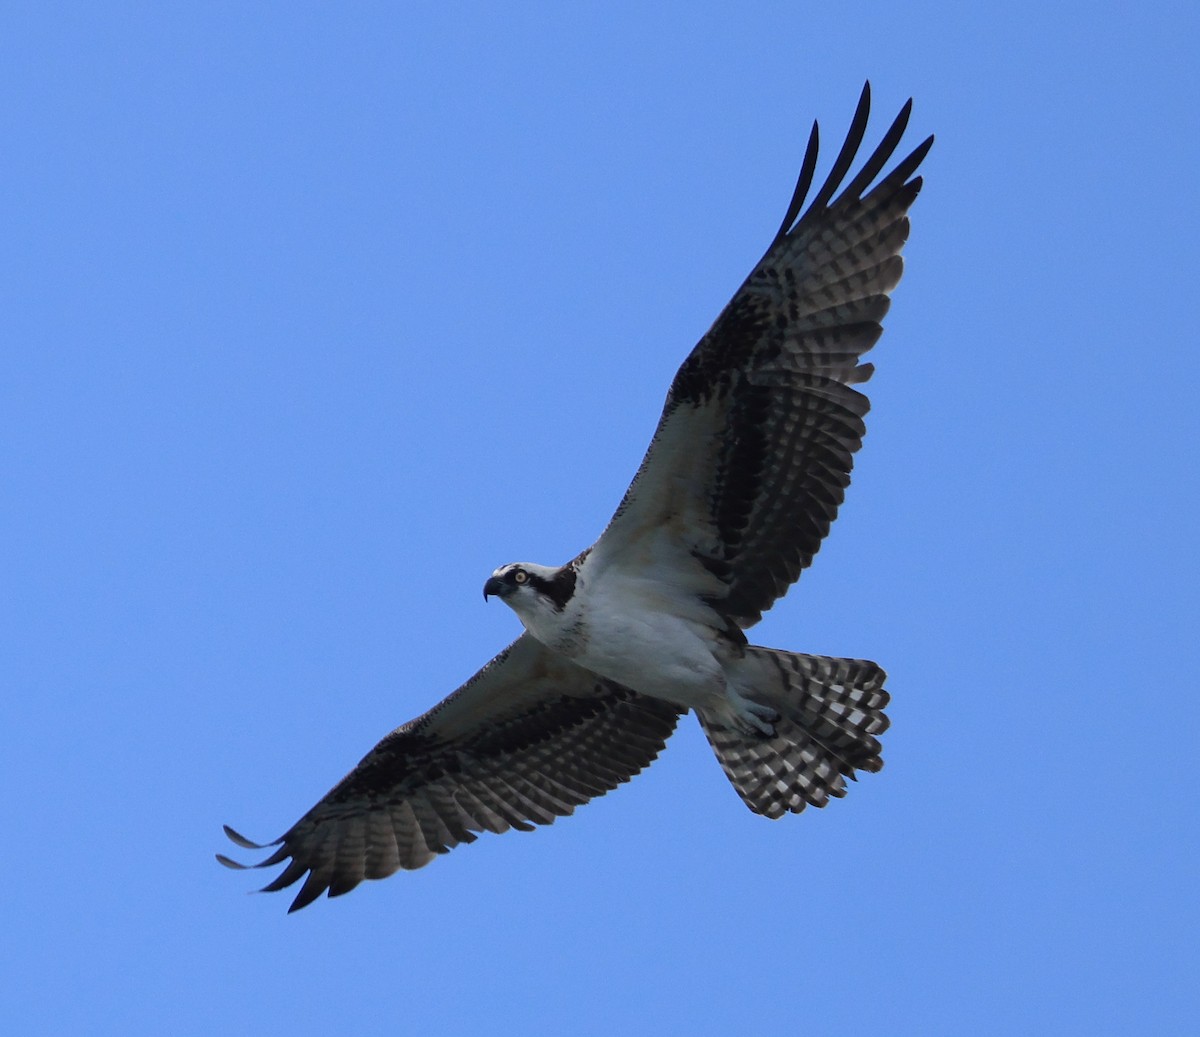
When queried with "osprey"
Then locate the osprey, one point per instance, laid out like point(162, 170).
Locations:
point(743, 477)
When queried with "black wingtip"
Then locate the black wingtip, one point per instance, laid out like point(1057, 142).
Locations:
point(803, 182)
point(845, 156)
point(905, 168)
point(845, 159)
point(313, 887)
point(236, 837)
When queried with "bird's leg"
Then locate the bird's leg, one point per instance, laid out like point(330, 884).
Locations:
point(752, 717)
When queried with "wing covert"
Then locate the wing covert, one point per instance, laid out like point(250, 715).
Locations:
point(525, 741)
point(752, 456)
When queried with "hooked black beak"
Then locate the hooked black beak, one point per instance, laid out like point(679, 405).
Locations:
point(496, 586)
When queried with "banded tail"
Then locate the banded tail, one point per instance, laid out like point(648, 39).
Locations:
point(830, 712)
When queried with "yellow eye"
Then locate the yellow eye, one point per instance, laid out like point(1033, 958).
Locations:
point(520, 576)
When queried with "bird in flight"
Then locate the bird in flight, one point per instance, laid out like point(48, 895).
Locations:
point(745, 472)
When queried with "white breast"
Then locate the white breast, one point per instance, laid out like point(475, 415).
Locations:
point(642, 634)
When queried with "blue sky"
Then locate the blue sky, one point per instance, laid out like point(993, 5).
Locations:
point(314, 314)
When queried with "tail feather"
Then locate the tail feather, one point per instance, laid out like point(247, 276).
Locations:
point(830, 711)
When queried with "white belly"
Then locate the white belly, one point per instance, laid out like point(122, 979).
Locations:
point(651, 645)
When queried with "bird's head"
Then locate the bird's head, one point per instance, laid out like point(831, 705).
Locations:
point(529, 589)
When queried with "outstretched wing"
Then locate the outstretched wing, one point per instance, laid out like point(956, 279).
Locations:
point(753, 452)
point(526, 740)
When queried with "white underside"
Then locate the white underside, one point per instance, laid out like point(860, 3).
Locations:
point(644, 634)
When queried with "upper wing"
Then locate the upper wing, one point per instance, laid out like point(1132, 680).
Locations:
point(526, 740)
point(754, 449)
